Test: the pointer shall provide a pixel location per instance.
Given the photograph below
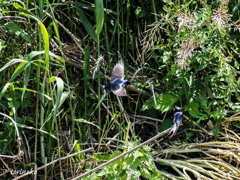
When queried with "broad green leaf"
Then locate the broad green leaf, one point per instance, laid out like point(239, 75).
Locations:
point(33, 54)
point(167, 123)
point(57, 57)
point(106, 171)
point(55, 29)
point(193, 109)
point(165, 102)
point(2, 42)
point(145, 172)
point(60, 86)
point(133, 163)
point(116, 163)
point(63, 97)
point(43, 30)
point(13, 61)
point(236, 7)
point(15, 74)
point(12, 27)
point(138, 153)
point(25, 12)
point(23, 64)
point(99, 14)
point(46, 41)
point(148, 160)
point(149, 103)
point(129, 160)
point(87, 25)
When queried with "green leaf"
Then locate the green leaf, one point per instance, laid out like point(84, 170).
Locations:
point(165, 102)
point(236, 7)
point(13, 61)
point(216, 129)
point(189, 134)
point(2, 42)
point(99, 14)
point(86, 71)
point(12, 27)
point(22, 66)
point(29, 127)
point(46, 41)
point(60, 86)
point(148, 160)
point(107, 171)
point(54, 23)
point(138, 153)
point(117, 163)
point(135, 163)
point(146, 148)
point(145, 172)
point(219, 113)
point(167, 123)
point(193, 109)
point(85, 121)
point(43, 30)
point(139, 13)
point(7, 137)
point(87, 25)
point(23, 10)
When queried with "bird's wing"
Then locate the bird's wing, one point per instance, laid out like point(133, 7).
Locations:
point(177, 118)
point(118, 71)
point(176, 123)
point(120, 92)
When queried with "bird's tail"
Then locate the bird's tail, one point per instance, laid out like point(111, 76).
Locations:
point(173, 130)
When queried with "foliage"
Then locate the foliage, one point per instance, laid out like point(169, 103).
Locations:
point(137, 164)
point(199, 59)
point(176, 52)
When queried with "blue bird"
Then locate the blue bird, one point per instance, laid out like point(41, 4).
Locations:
point(117, 84)
point(177, 119)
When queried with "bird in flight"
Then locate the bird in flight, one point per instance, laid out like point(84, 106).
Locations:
point(117, 84)
point(177, 119)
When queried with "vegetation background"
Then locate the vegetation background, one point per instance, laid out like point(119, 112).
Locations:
point(55, 55)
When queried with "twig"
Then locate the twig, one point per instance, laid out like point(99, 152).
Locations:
point(145, 117)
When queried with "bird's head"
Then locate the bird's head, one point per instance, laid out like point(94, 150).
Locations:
point(127, 82)
point(177, 109)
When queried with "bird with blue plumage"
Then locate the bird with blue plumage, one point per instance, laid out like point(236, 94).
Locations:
point(118, 84)
point(177, 119)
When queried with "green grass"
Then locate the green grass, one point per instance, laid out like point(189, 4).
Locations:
point(56, 55)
